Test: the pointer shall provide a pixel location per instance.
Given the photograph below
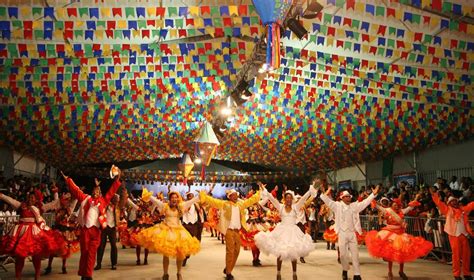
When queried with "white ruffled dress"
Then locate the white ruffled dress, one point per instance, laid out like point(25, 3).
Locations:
point(286, 241)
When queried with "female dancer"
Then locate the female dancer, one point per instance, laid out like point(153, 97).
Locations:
point(392, 243)
point(65, 222)
point(286, 241)
point(31, 236)
point(170, 238)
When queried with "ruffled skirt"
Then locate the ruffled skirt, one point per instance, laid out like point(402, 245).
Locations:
point(396, 247)
point(174, 242)
point(286, 241)
point(330, 235)
point(27, 239)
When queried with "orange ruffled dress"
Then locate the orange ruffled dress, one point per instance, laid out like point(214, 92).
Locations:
point(169, 238)
point(392, 243)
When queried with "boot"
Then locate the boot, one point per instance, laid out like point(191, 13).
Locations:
point(47, 270)
point(357, 277)
point(97, 267)
point(327, 248)
point(64, 270)
point(302, 260)
point(403, 275)
point(344, 275)
point(333, 246)
point(467, 277)
point(166, 277)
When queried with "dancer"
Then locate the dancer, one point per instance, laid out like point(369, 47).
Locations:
point(347, 223)
point(231, 221)
point(31, 236)
point(458, 229)
point(301, 220)
point(286, 241)
point(92, 217)
point(255, 224)
point(66, 223)
point(169, 238)
point(110, 232)
point(192, 220)
point(139, 218)
point(391, 243)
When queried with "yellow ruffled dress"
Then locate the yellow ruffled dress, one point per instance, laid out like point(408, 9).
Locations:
point(169, 238)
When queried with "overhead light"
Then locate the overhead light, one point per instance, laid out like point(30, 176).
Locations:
point(295, 26)
point(197, 161)
point(227, 109)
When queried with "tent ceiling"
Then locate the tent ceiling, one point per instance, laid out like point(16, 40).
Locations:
point(112, 81)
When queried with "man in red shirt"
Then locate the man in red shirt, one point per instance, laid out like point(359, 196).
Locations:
point(458, 229)
point(92, 217)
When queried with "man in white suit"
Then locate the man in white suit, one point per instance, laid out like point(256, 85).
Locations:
point(347, 223)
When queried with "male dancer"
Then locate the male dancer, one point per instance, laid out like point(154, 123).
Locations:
point(110, 232)
point(192, 220)
point(91, 219)
point(458, 229)
point(347, 223)
point(232, 220)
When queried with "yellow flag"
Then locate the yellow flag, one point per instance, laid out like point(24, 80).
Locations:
point(193, 10)
point(105, 12)
point(233, 11)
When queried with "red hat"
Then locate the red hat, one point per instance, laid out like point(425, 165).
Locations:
point(397, 201)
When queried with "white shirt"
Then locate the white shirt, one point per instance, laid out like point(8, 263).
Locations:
point(235, 219)
point(110, 216)
point(300, 216)
point(454, 185)
point(347, 219)
point(312, 215)
point(190, 216)
point(132, 215)
point(92, 218)
point(460, 228)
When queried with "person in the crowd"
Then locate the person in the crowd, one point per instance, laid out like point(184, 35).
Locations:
point(110, 233)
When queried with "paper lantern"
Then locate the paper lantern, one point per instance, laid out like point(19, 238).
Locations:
point(186, 166)
point(205, 147)
point(206, 144)
point(272, 13)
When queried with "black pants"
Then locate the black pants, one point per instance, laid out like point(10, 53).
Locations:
point(111, 233)
point(193, 229)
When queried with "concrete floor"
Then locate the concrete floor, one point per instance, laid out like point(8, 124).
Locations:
point(208, 265)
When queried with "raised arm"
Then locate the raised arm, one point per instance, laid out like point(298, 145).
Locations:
point(360, 206)
point(273, 200)
point(13, 202)
point(72, 206)
point(159, 204)
point(301, 203)
point(113, 189)
point(212, 202)
point(188, 203)
point(55, 204)
point(328, 201)
point(74, 189)
point(251, 200)
point(443, 208)
point(412, 205)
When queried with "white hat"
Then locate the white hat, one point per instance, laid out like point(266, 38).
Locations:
point(232, 191)
point(297, 196)
point(384, 198)
point(345, 193)
point(290, 192)
point(190, 192)
point(451, 198)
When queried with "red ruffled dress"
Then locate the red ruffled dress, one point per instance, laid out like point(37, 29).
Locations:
point(330, 235)
point(31, 236)
point(392, 243)
point(67, 225)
